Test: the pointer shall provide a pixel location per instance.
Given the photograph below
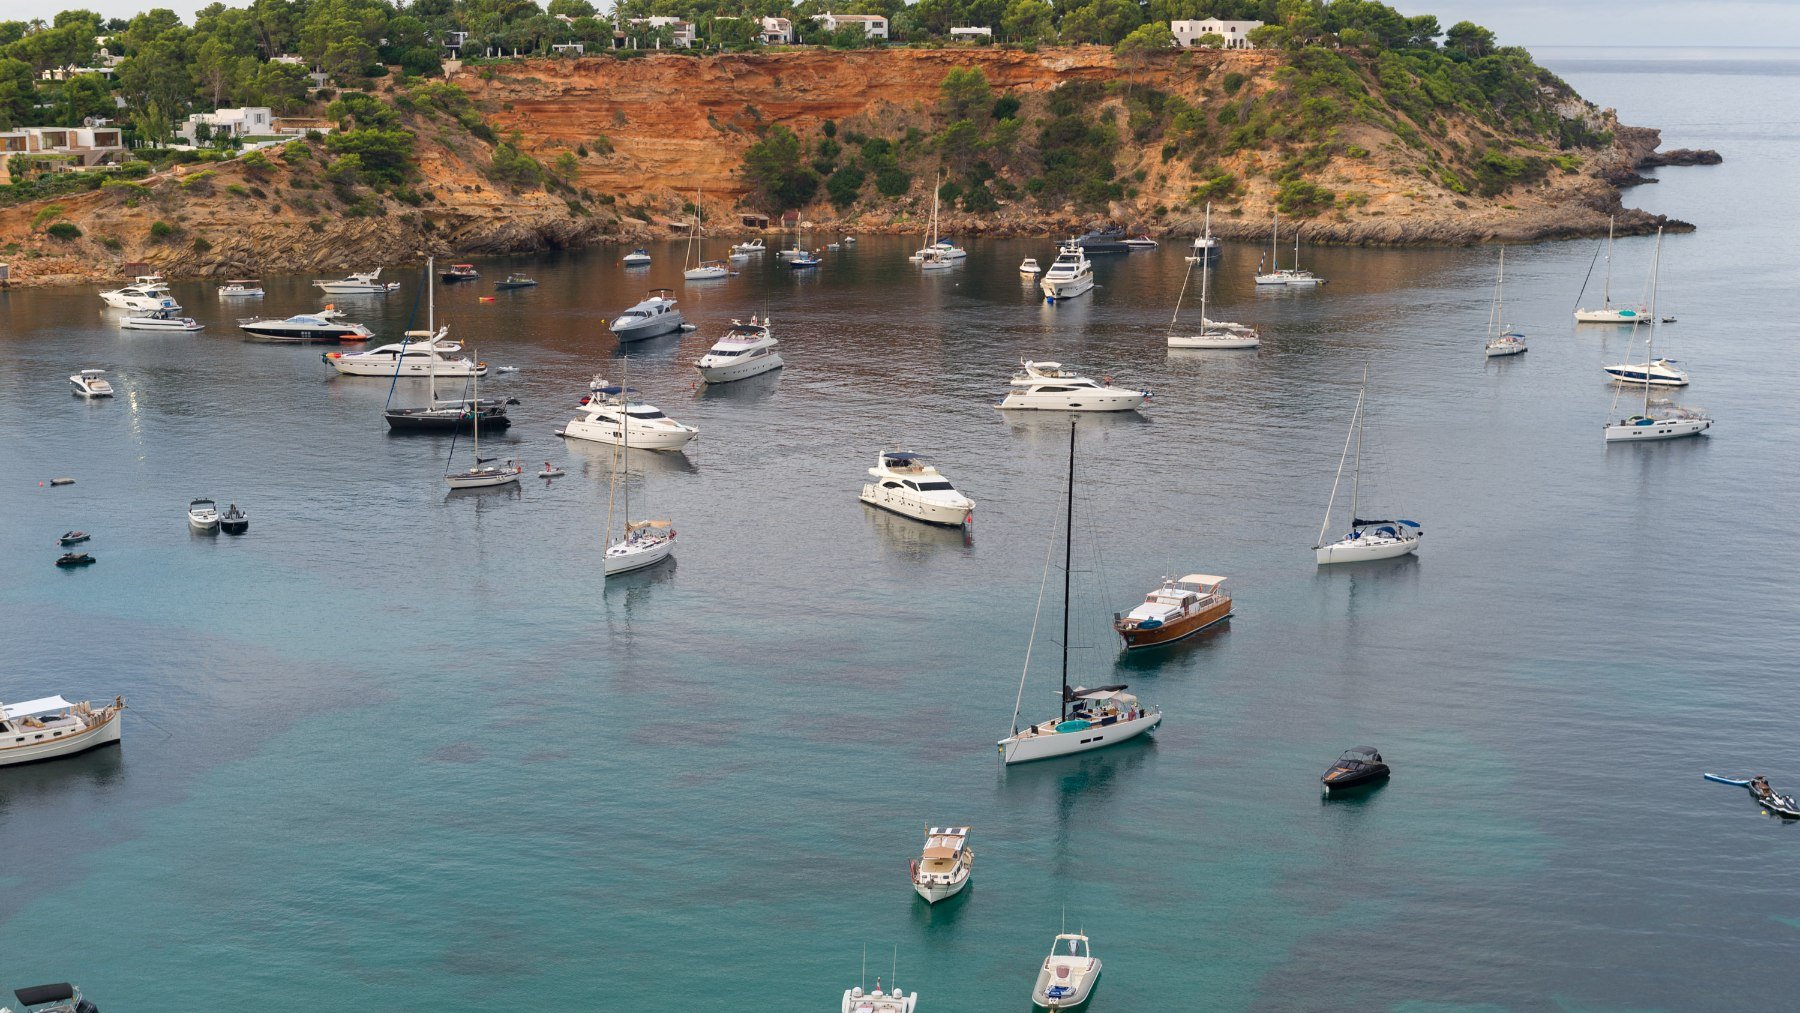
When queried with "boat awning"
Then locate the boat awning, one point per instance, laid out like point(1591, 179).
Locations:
point(1097, 693)
point(36, 994)
point(641, 525)
point(900, 455)
point(1201, 578)
point(30, 708)
point(940, 854)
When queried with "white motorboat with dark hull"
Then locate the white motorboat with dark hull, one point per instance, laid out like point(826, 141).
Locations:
point(203, 516)
point(1367, 539)
point(51, 728)
point(1655, 373)
point(1660, 419)
point(745, 351)
point(653, 317)
point(234, 521)
point(358, 283)
point(303, 328)
point(611, 416)
point(1069, 275)
point(1047, 386)
point(90, 383)
point(1069, 974)
point(432, 356)
point(903, 483)
point(944, 867)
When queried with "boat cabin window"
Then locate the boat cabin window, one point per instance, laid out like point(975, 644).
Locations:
point(935, 487)
point(890, 484)
point(641, 413)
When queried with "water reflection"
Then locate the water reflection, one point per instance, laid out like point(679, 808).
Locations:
point(748, 391)
point(915, 540)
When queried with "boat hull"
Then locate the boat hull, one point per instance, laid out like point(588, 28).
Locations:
point(1363, 550)
point(948, 515)
point(1221, 341)
point(204, 525)
point(1082, 986)
point(934, 892)
point(482, 478)
point(608, 432)
point(1066, 289)
point(742, 370)
point(1669, 429)
point(1180, 629)
point(1635, 377)
point(37, 751)
point(705, 273)
point(1025, 748)
point(349, 365)
point(301, 336)
point(423, 420)
point(1096, 402)
point(1499, 349)
point(654, 327)
point(1358, 780)
point(1611, 317)
point(622, 558)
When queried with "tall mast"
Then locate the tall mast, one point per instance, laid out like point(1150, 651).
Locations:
point(1650, 343)
point(1296, 247)
point(1609, 241)
point(625, 437)
point(431, 324)
point(1356, 485)
point(475, 417)
point(1275, 237)
point(1203, 266)
point(1068, 561)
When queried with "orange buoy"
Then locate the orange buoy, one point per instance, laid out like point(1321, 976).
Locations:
point(487, 298)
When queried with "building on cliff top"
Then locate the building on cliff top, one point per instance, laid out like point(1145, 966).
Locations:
point(244, 121)
point(31, 151)
point(873, 25)
point(1235, 33)
point(777, 32)
point(973, 32)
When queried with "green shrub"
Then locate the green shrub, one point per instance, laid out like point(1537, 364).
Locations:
point(201, 245)
point(47, 214)
point(160, 230)
point(64, 231)
point(1232, 82)
point(237, 190)
point(1302, 198)
point(845, 185)
point(109, 242)
point(514, 167)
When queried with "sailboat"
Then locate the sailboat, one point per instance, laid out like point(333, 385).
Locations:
point(934, 257)
point(1088, 718)
point(1290, 276)
point(703, 270)
point(1501, 341)
point(1607, 313)
point(479, 475)
point(1367, 539)
point(641, 543)
point(1213, 334)
point(1660, 419)
point(440, 416)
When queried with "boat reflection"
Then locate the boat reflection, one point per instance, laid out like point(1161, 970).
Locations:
point(751, 390)
point(916, 540)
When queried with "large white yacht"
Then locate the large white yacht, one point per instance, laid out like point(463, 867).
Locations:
point(878, 1000)
point(358, 283)
point(1071, 275)
point(138, 297)
point(603, 421)
point(90, 383)
point(323, 327)
point(52, 727)
point(903, 483)
point(1047, 386)
point(943, 868)
point(745, 351)
point(1069, 974)
point(433, 356)
point(655, 315)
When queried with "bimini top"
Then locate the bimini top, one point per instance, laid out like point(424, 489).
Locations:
point(31, 708)
point(37, 994)
point(1368, 754)
point(900, 455)
point(944, 842)
point(93, 372)
point(641, 525)
point(1201, 578)
point(1097, 693)
point(1360, 523)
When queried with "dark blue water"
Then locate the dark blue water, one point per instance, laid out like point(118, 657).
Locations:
point(407, 750)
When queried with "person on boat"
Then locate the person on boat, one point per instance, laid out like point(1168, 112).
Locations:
point(1759, 786)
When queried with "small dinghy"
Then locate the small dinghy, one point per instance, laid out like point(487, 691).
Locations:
point(507, 369)
point(73, 559)
point(551, 471)
point(73, 538)
point(234, 521)
point(62, 481)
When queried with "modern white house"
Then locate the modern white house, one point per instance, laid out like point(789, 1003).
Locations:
point(682, 31)
point(777, 32)
point(873, 25)
point(972, 32)
point(62, 149)
point(240, 122)
point(1235, 33)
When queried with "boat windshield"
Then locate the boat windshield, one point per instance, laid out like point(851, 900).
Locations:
point(939, 486)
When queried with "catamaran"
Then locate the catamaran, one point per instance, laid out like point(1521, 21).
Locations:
point(1212, 334)
point(1660, 419)
point(1367, 539)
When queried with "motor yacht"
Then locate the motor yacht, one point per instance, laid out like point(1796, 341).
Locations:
point(234, 521)
point(137, 297)
point(943, 868)
point(1204, 250)
point(1069, 276)
point(746, 350)
point(431, 355)
point(891, 1000)
point(89, 383)
point(51, 727)
point(639, 257)
point(304, 328)
point(1658, 372)
point(70, 560)
point(152, 282)
point(241, 288)
point(203, 516)
point(1099, 241)
point(1069, 974)
point(1174, 610)
point(655, 315)
point(604, 416)
point(1047, 386)
point(1142, 242)
point(903, 483)
point(160, 320)
point(1029, 266)
point(458, 272)
point(749, 246)
point(358, 283)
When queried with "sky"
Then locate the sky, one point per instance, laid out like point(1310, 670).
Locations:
point(1517, 22)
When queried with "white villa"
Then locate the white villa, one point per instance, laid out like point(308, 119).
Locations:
point(682, 31)
point(1235, 33)
point(873, 25)
point(241, 122)
point(68, 148)
point(777, 32)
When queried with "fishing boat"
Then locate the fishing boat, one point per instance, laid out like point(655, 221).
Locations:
point(357, 283)
point(1660, 418)
point(639, 257)
point(51, 727)
point(325, 327)
point(234, 521)
point(745, 351)
point(1292, 277)
point(653, 316)
point(70, 560)
point(450, 415)
point(1224, 335)
point(1070, 274)
point(903, 483)
point(203, 516)
point(1069, 974)
point(943, 868)
point(160, 320)
point(702, 270)
point(642, 543)
point(1607, 313)
point(1367, 539)
point(89, 383)
point(481, 475)
point(1501, 340)
point(513, 281)
point(241, 288)
point(1175, 610)
point(1358, 766)
point(458, 272)
point(1047, 386)
point(1087, 719)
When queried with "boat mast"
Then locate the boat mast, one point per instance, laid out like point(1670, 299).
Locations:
point(475, 417)
point(431, 323)
point(625, 440)
point(1356, 484)
point(1609, 242)
point(1297, 247)
point(1338, 480)
point(1650, 342)
point(1275, 237)
point(937, 184)
point(1068, 561)
point(695, 233)
point(1203, 269)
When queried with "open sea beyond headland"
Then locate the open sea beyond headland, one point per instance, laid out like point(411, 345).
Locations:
point(398, 750)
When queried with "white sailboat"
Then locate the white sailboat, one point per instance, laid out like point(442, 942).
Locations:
point(478, 475)
point(1608, 313)
point(934, 257)
point(1501, 340)
point(642, 543)
point(1088, 718)
point(1212, 334)
point(703, 270)
point(1367, 539)
point(1292, 277)
point(1660, 419)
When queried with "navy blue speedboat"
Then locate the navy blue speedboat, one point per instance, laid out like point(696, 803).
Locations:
point(1358, 766)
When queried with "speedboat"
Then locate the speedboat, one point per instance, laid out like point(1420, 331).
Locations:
point(1204, 249)
point(60, 997)
point(138, 297)
point(246, 287)
point(52, 727)
point(304, 327)
point(70, 560)
point(878, 1001)
point(515, 281)
point(203, 515)
point(709, 270)
point(1030, 266)
point(1369, 540)
point(639, 257)
point(1174, 610)
point(903, 483)
point(1141, 243)
point(1661, 419)
point(1659, 372)
point(1069, 974)
point(1103, 241)
point(1358, 766)
point(424, 354)
point(458, 272)
point(943, 868)
point(604, 420)
point(1069, 276)
point(88, 383)
point(69, 538)
point(1047, 386)
point(160, 320)
point(358, 283)
point(655, 315)
point(234, 521)
point(749, 246)
point(746, 350)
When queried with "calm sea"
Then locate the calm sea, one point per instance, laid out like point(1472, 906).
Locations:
point(396, 749)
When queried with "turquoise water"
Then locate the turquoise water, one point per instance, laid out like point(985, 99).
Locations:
point(406, 750)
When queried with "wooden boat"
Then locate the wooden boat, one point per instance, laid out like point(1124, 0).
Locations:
point(52, 727)
point(1176, 609)
point(1358, 766)
point(943, 868)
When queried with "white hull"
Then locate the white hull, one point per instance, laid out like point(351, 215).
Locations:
point(67, 745)
point(625, 557)
point(1500, 348)
point(608, 431)
point(143, 304)
point(482, 478)
point(204, 525)
point(1633, 376)
point(89, 390)
point(1277, 281)
point(1666, 429)
point(160, 324)
point(341, 288)
point(1365, 549)
point(1612, 316)
point(935, 264)
point(743, 370)
point(907, 503)
point(1066, 289)
point(1212, 340)
point(653, 327)
point(351, 366)
point(934, 892)
point(1076, 401)
point(1026, 748)
point(705, 273)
